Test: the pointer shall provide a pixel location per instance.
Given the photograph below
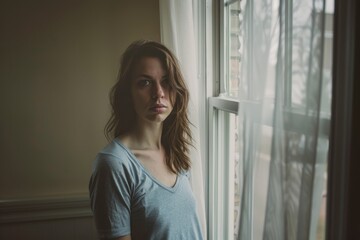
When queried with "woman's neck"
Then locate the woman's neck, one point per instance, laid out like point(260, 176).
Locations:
point(144, 137)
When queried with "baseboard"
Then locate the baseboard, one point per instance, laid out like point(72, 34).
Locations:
point(27, 210)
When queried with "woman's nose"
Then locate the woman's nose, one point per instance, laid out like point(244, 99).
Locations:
point(158, 91)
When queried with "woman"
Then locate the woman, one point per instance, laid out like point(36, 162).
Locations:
point(139, 188)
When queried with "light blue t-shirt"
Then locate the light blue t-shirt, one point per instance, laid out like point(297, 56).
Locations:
point(126, 199)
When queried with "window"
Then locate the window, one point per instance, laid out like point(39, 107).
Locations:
point(230, 135)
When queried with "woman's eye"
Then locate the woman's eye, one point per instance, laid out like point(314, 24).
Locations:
point(144, 83)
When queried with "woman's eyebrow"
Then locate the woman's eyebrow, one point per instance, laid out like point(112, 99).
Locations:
point(150, 77)
point(144, 76)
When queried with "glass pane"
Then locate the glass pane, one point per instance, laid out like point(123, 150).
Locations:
point(232, 53)
point(228, 150)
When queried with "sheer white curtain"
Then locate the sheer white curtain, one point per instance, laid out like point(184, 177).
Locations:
point(284, 115)
point(177, 33)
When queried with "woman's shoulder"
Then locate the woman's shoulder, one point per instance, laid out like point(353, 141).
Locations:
point(114, 155)
point(114, 148)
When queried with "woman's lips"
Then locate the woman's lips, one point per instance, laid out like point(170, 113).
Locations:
point(158, 108)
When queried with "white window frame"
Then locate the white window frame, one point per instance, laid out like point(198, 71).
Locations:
point(217, 175)
point(218, 197)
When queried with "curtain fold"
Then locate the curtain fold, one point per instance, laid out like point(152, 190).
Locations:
point(284, 140)
point(177, 33)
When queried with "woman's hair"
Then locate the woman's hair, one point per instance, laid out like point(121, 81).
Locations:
point(176, 135)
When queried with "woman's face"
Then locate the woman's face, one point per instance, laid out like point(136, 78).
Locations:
point(150, 90)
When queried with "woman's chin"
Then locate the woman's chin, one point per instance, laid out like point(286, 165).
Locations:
point(157, 117)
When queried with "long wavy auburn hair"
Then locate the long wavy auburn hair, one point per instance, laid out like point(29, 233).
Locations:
point(176, 135)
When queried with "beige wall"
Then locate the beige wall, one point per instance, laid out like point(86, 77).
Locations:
point(58, 60)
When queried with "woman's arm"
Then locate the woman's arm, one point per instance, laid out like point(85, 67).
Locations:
point(110, 195)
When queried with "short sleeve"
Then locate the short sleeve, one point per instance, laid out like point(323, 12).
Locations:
point(110, 195)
